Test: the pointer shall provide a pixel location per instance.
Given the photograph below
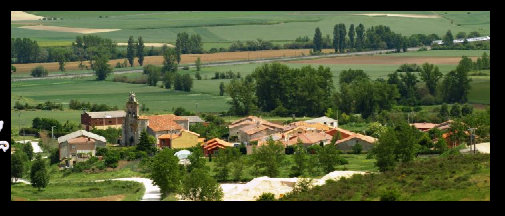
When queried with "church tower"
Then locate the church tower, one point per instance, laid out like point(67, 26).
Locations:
point(131, 131)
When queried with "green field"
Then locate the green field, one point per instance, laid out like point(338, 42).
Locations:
point(480, 93)
point(443, 53)
point(75, 190)
point(227, 26)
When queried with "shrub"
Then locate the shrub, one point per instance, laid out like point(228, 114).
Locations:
point(266, 197)
point(390, 195)
point(39, 71)
point(356, 149)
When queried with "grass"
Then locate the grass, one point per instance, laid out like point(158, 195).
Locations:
point(443, 53)
point(480, 92)
point(453, 178)
point(58, 176)
point(218, 26)
point(71, 190)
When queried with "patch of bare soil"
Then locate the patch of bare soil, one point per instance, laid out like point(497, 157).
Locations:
point(20, 15)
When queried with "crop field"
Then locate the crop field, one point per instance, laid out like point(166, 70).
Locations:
point(227, 26)
point(373, 60)
point(480, 93)
point(433, 53)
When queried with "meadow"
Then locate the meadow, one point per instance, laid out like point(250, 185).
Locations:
point(79, 191)
point(217, 27)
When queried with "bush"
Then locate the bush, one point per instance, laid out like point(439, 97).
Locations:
point(356, 149)
point(390, 195)
point(39, 71)
point(266, 197)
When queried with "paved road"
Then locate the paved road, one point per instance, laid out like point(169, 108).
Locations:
point(213, 64)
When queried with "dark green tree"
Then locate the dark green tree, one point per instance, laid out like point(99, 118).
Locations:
point(169, 61)
point(101, 67)
point(444, 111)
point(301, 160)
point(448, 39)
point(343, 33)
point(328, 157)
point(196, 159)
point(336, 37)
point(165, 171)
point(360, 36)
point(147, 143)
point(221, 89)
point(140, 50)
point(467, 109)
point(268, 158)
point(39, 71)
point(351, 36)
point(318, 40)
point(28, 150)
point(198, 185)
point(455, 111)
point(198, 64)
point(18, 165)
point(430, 75)
point(39, 175)
point(130, 50)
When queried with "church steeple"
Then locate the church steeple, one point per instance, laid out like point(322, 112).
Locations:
point(132, 106)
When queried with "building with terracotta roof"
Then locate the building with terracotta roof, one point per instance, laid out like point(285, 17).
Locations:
point(215, 144)
point(78, 146)
point(252, 127)
point(424, 126)
point(347, 144)
point(184, 139)
point(155, 125)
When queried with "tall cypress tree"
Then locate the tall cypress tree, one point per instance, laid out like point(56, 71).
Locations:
point(336, 38)
point(360, 36)
point(351, 36)
point(343, 33)
point(130, 50)
point(140, 50)
point(318, 40)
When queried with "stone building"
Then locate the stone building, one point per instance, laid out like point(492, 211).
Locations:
point(79, 146)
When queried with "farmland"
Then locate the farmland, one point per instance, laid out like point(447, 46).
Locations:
point(219, 29)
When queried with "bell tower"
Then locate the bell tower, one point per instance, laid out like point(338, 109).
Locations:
point(130, 124)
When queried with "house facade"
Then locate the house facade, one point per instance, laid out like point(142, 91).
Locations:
point(79, 146)
point(185, 139)
point(102, 120)
point(324, 120)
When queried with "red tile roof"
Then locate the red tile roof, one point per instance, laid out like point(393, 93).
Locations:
point(163, 122)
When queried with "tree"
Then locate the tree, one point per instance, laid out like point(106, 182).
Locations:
point(39, 174)
point(430, 75)
point(455, 110)
point(130, 50)
point(266, 197)
point(196, 159)
point(60, 55)
point(221, 89)
point(170, 61)
point(467, 109)
point(187, 82)
point(268, 158)
point(101, 67)
point(18, 165)
point(461, 35)
point(342, 33)
point(198, 185)
point(351, 36)
point(397, 144)
point(473, 34)
point(168, 79)
point(28, 150)
point(198, 76)
point(336, 37)
point(301, 160)
point(444, 111)
point(484, 59)
point(360, 36)
point(242, 94)
point(198, 64)
point(39, 71)
point(153, 76)
point(456, 84)
point(165, 171)
point(147, 143)
point(347, 76)
point(357, 148)
point(457, 133)
point(223, 159)
point(328, 157)
point(318, 40)
point(448, 39)
point(140, 50)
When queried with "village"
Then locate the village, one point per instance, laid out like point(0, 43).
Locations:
point(356, 107)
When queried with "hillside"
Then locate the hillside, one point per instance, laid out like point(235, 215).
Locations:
point(454, 178)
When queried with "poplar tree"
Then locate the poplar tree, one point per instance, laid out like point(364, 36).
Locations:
point(140, 50)
point(351, 36)
point(130, 50)
point(318, 40)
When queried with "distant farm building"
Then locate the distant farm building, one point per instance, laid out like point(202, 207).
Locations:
point(475, 39)
point(102, 120)
point(79, 146)
point(325, 120)
point(215, 144)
